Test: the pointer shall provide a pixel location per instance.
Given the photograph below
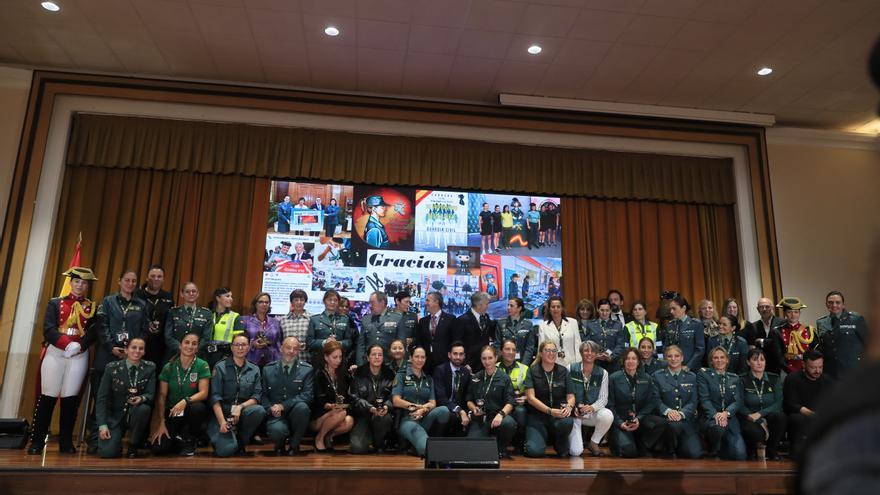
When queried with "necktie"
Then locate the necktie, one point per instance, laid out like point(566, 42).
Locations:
point(132, 376)
point(433, 325)
point(375, 318)
point(484, 322)
point(456, 380)
point(834, 322)
point(286, 370)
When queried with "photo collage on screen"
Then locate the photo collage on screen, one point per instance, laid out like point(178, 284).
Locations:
point(359, 239)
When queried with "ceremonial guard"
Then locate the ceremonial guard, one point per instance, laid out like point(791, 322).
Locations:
point(380, 327)
point(843, 335)
point(288, 390)
point(124, 402)
point(65, 360)
point(797, 338)
point(189, 317)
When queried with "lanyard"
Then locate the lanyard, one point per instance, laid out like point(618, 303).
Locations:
point(418, 386)
point(374, 380)
point(125, 311)
point(185, 374)
point(632, 390)
point(587, 386)
point(133, 380)
point(722, 387)
point(549, 377)
point(238, 373)
point(759, 391)
point(488, 384)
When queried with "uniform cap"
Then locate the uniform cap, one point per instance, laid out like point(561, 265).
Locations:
point(80, 272)
point(791, 303)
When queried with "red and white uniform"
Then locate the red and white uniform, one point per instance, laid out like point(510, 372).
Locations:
point(66, 360)
point(796, 340)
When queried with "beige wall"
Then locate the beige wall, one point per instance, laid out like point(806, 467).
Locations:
point(826, 199)
point(14, 87)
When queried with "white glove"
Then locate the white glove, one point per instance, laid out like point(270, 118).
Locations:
point(72, 349)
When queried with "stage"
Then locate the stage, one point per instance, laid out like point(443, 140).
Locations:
point(261, 472)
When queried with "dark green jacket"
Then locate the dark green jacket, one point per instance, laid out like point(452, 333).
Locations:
point(719, 392)
point(497, 391)
point(321, 326)
point(118, 321)
point(586, 392)
point(226, 390)
point(181, 321)
point(623, 397)
point(523, 332)
point(762, 397)
point(298, 386)
point(384, 331)
point(843, 343)
point(117, 386)
point(676, 392)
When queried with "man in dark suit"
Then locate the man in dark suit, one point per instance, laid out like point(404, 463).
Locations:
point(451, 380)
point(764, 334)
point(434, 332)
point(475, 330)
point(617, 312)
point(300, 254)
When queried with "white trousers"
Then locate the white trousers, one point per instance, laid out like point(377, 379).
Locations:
point(600, 419)
point(61, 376)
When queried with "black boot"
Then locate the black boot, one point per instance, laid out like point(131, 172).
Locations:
point(68, 420)
point(43, 410)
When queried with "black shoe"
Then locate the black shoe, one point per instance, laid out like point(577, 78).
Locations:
point(241, 452)
point(67, 449)
point(280, 452)
point(35, 449)
point(132, 453)
point(295, 452)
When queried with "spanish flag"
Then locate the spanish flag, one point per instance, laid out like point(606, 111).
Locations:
point(75, 261)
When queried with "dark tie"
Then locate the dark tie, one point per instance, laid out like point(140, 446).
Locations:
point(834, 322)
point(132, 376)
point(433, 325)
point(286, 371)
point(484, 322)
point(375, 318)
point(456, 380)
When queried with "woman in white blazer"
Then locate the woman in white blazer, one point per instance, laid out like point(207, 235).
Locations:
point(560, 330)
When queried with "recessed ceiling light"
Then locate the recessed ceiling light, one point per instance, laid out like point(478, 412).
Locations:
point(331, 31)
point(535, 49)
point(765, 71)
point(51, 6)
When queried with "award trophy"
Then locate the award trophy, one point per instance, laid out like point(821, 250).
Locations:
point(480, 404)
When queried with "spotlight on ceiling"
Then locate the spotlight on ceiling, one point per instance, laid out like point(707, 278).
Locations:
point(51, 6)
point(765, 71)
point(331, 31)
point(535, 49)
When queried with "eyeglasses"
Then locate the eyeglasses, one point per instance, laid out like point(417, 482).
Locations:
point(551, 351)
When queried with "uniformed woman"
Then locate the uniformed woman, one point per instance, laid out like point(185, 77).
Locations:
point(647, 358)
point(761, 416)
point(736, 347)
point(236, 392)
point(124, 402)
point(685, 332)
point(263, 330)
point(516, 371)
point(797, 337)
point(189, 317)
point(591, 394)
point(183, 392)
point(120, 318)
point(225, 325)
point(490, 401)
point(676, 390)
point(721, 398)
point(413, 392)
point(398, 361)
point(550, 394)
point(328, 326)
point(641, 327)
point(330, 411)
point(633, 400)
point(371, 403)
point(585, 312)
point(610, 336)
point(519, 329)
point(560, 330)
point(65, 361)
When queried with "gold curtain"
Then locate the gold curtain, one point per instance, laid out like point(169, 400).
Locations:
point(199, 227)
point(643, 248)
point(277, 152)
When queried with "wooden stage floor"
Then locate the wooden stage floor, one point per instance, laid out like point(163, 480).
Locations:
point(261, 473)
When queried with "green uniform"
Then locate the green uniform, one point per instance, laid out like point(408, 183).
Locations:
point(380, 329)
point(737, 351)
point(678, 391)
point(419, 390)
point(293, 386)
point(843, 341)
point(182, 320)
point(764, 397)
point(721, 392)
point(634, 397)
point(495, 392)
point(231, 386)
point(551, 388)
point(122, 380)
point(652, 366)
point(321, 327)
point(522, 332)
point(612, 337)
point(408, 323)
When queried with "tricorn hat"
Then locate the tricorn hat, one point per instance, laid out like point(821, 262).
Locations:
point(791, 303)
point(80, 272)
